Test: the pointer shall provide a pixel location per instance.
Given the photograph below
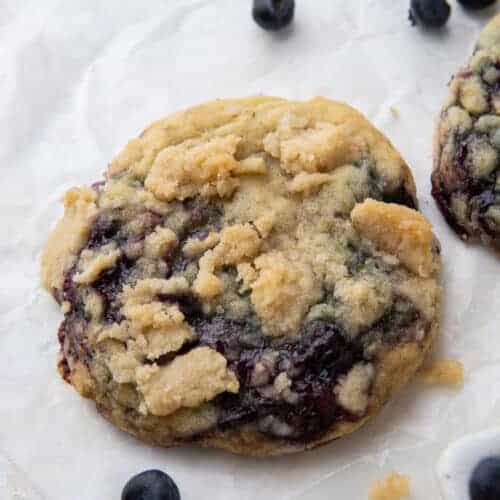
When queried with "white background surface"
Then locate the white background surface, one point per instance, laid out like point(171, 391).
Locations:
point(77, 80)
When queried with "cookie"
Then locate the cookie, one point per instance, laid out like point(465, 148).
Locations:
point(252, 275)
point(466, 176)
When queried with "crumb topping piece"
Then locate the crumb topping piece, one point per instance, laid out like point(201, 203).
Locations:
point(361, 302)
point(400, 231)
point(353, 389)
point(447, 372)
point(188, 381)
point(394, 487)
point(208, 169)
point(282, 292)
point(69, 236)
point(237, 244)
point(92, 263)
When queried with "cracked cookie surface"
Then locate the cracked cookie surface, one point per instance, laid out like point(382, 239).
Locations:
point(466, 175)
point(251, 275)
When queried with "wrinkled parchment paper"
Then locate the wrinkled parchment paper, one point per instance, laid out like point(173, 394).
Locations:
point(78, 79)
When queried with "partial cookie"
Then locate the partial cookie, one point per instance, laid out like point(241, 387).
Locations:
point(252, 275)
point(466, 179)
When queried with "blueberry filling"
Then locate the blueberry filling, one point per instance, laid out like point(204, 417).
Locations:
point(313, 363)
point(110, 227)
point(203, 217)
point(462, 149)
point(188, 305)
point(401, 315)
point(110, 284)
point(69, 290)
point(62, 364)
point(104, 230)
point(73, 342)
point(481, 204)
point(178, 265)
point(378, 190)
point(358, 259)
point(401, 196)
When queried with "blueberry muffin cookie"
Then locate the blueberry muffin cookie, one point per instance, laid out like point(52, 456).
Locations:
point(251, 275)
point(466, 177)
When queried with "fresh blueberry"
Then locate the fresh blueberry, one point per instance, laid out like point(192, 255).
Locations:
point(151, 485)
point(476, 4)
point(432, 13)
point(273, 15)
point(484, 483)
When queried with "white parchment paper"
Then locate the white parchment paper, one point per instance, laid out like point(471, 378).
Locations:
point(78, 78)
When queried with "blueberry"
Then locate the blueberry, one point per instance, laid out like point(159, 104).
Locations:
point(484, 483)
point(273, 15)
point(476, 4)
point(432, 13)
point(151, 485)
